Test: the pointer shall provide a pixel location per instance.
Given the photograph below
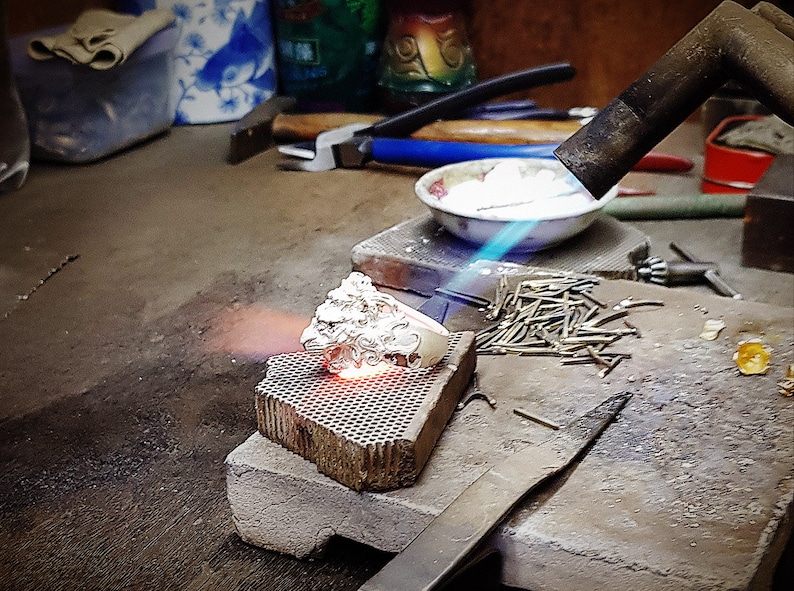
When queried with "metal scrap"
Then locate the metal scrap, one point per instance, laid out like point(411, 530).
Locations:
point(476, 394)
point(752, 357)
point(556, 316)
point(52, 272)
point(525, 414)
point(787, 385)
point(632, 303)
point(711, 329)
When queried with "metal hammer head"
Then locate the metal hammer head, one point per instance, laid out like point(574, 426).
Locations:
point(254, 132)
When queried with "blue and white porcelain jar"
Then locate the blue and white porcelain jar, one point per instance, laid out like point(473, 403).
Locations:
point(224, 60)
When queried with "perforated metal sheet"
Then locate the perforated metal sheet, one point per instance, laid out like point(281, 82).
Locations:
point(370, 433)
point(419, 255)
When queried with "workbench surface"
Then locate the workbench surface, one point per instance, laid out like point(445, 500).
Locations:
point(127, 376)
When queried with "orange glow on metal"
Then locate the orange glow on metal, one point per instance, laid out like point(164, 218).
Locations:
point(366, 371)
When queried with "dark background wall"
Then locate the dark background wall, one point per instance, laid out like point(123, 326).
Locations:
point(610, 42)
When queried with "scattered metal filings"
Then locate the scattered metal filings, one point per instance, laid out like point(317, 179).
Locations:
point(70, 258)
point(53, 271)
point(557, 316)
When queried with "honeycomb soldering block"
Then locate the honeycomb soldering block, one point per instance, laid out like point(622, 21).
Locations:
point(370, 433)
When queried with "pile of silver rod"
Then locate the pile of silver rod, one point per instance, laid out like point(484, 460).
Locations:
point(554, 316)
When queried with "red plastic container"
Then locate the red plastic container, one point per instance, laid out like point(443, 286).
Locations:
point(732, 170)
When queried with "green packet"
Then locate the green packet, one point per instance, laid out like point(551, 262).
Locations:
point(328, 52)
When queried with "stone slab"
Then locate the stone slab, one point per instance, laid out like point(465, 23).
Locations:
point(691, 488)
point(419, 255)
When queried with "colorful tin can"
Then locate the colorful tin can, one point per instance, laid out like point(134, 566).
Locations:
point(328, 53)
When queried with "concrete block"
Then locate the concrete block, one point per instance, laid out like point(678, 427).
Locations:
point(281, 502)
point(691, 488)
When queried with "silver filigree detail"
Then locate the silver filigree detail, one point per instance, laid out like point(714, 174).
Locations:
point(358, 324)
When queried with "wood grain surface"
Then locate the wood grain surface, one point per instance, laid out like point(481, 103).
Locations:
point(609, 42)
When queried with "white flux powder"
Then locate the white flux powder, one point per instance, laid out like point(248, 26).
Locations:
point(507, 193)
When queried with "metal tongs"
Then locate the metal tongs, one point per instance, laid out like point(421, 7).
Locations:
point(354, 145)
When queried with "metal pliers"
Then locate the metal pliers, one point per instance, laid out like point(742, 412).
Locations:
point(356, 144)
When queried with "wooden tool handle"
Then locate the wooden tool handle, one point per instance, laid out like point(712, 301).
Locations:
point(299, 127)
point(292, 128)
point(499, 132)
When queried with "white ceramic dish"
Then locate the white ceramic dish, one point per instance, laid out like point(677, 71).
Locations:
point(508, 228)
